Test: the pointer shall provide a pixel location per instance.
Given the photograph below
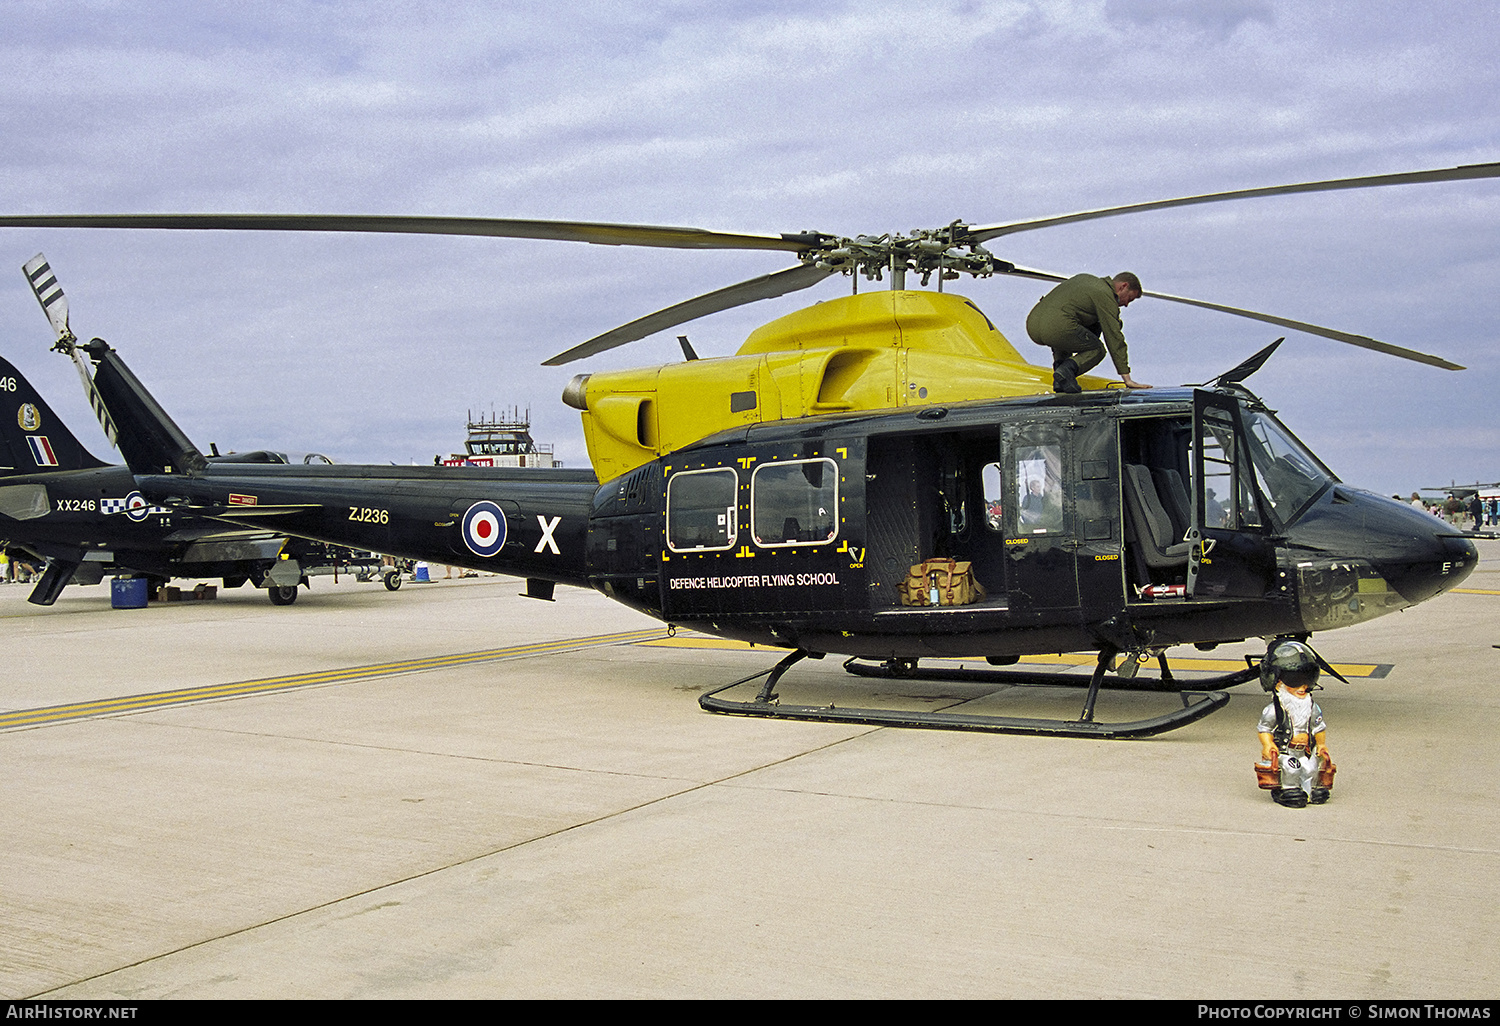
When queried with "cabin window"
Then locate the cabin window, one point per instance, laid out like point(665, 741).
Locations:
point(1039, 498)
point(794, 503)
point(701, 508)
point(994, 504)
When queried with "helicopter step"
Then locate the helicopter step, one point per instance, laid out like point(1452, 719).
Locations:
point(1195, 704)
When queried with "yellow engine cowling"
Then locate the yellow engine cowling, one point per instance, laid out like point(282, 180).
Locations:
point(877, 351)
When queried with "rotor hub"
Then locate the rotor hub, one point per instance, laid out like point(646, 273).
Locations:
point(948, 251)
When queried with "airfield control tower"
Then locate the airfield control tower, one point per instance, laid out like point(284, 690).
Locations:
point(502, 441)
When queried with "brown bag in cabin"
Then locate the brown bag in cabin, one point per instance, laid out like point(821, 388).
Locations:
point(953, 580)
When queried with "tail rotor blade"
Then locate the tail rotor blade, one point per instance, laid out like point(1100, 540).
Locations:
point(55, 305)
point(101, 411)
point(49, 293)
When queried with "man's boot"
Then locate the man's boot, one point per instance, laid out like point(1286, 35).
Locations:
point(1065, 377)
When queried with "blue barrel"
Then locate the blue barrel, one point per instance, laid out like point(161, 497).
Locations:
point(421, 574)
point(128, 593)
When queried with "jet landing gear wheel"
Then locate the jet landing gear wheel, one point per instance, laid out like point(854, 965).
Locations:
point(393, 580)
point(280, 596)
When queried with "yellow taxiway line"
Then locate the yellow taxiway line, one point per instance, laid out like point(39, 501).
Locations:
point(162, 699)
point(649, 637)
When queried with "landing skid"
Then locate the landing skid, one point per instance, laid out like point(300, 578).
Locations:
point(1195, 704)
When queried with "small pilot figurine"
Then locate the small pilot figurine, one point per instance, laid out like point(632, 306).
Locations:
point(1295, 765)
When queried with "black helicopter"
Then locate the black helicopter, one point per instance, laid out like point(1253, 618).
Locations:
point(785, 495)
point(86, 518)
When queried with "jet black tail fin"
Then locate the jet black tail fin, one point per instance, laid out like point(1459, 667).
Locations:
point(33, 439)
point(148, 439)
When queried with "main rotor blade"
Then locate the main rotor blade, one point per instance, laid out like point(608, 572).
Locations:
point(767, 286)
point(1450, 174)
point(1363, 341)
point(1017, 271)
point(494, 227)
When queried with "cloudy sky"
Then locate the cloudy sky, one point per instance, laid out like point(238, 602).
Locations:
point(759, 116)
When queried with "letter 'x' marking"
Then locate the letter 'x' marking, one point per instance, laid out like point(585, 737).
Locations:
point(548, 526)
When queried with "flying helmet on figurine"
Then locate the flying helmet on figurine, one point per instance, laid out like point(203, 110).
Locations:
point(1290, 662)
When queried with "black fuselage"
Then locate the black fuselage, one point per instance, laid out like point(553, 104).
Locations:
point(1071, 512)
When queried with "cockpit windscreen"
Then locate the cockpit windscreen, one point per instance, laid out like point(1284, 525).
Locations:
point(1289, 476)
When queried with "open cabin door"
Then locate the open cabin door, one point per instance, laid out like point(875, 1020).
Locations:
point(1231, 548)
point(1041, 542)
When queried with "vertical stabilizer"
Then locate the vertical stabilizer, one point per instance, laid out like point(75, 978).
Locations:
point(150, 441)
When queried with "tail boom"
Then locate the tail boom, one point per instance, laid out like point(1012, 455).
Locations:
point(526, 523)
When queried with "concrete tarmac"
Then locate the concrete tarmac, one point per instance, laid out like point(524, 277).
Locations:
point(315, 802)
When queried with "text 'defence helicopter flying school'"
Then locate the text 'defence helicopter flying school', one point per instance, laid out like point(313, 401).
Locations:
point(880, 476)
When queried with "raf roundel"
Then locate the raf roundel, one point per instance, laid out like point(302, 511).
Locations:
point(136, 506)
point(484, 529)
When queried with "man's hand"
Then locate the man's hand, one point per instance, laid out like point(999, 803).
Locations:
point(1131, 382)
point(1268, 750)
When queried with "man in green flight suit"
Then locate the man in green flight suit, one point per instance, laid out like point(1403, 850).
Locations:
point(1071, 319)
